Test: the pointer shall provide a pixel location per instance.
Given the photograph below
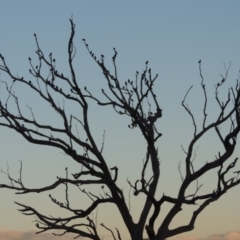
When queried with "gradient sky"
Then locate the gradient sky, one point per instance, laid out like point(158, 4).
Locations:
point(172, 36)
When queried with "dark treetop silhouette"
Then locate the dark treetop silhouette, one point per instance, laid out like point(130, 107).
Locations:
point(130, 99)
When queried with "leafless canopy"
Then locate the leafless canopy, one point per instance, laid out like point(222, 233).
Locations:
point(128, 98)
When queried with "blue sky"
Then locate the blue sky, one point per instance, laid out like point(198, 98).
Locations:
point(172, 36)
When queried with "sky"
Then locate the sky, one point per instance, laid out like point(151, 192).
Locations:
point(173, 36)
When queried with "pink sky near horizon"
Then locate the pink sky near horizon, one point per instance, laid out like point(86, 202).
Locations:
point(29, 235)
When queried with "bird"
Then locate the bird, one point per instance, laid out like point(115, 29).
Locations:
point(199, 61)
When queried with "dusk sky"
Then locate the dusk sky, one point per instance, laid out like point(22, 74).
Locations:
point(173, 36)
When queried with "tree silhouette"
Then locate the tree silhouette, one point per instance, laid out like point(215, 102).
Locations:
point(129, 98)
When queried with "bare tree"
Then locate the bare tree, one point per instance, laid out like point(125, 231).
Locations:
point(135, 99)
